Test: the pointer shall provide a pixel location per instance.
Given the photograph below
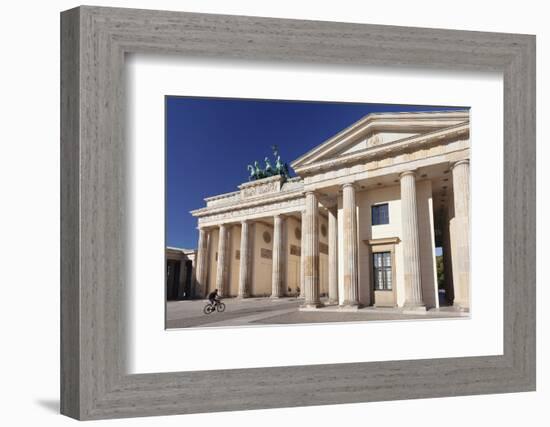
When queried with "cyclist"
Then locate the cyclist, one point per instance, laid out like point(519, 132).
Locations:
point(213, 297)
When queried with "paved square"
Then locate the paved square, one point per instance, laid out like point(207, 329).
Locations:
point(282, 311)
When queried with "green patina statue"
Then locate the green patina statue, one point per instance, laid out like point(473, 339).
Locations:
point(281, 168)
point(268, 169)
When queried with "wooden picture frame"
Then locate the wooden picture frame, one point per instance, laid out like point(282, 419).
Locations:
point(94, 41)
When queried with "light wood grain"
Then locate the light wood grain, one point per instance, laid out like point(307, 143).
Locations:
point(94, 240)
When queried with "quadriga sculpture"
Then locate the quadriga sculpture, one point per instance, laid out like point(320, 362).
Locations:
point(281, 168)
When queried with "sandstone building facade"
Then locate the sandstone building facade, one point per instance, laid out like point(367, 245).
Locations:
point(359, 224)
point(180, 273)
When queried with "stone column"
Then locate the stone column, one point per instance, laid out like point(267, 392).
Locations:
point(349, 247)
point(411, 248)
point(447, 256)
point(302, 256)
point(332, 256)
point(310, 240)
point(278, 253)
point(244, 263)
point(461, 233)
point(201, 263)
point(221, 272)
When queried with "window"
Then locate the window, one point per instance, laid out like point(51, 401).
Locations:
point(380, 214)
point(382, 273)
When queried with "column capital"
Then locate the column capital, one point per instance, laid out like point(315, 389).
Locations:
point(402, 174)
point(460, 162)
point(349, 184)
point(245, 221)
point(310, 192)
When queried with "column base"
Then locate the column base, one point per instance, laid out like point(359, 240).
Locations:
point(243, 296)
point(349, 306)
point(311, 306)
point(414, 309)
point(332, 302)
point(275, 297)
point(460, 306)
point(349, 303)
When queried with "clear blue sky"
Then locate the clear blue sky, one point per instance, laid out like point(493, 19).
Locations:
point(209, 142)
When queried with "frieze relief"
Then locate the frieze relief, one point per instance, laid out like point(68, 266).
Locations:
point(269, 187)
point(252, 211)
point(373, 140)
point(339, 170)
point(266, 253)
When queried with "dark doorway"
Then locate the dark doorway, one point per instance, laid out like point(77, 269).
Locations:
point(187, 287)
point(443, 212)
point(442, 279)
point(172, 279)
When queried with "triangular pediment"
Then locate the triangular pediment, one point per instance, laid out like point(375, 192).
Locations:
point(380, 130)
point(372, 140)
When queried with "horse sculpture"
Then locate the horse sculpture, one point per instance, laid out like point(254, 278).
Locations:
point(259, 172)
point(252, 172)
point(268, 169)
point(281, 168)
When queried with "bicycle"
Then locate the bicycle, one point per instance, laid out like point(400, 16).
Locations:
point(210, 308)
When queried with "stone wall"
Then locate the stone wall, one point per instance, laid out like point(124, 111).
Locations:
point(233, 259)
point(323, 255)
point(293, 229)
point(262, 260)
point(391, 195)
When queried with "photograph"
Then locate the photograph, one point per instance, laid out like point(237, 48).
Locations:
point(282, 212)
point(266, 214)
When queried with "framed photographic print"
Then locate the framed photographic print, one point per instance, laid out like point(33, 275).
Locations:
point(316, 212)
point(252, 243)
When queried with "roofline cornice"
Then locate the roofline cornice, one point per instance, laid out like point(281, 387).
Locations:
point(221, 196)
point(256, 202)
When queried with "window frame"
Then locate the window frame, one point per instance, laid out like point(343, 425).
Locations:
point(383, 255)
point(377, 208)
